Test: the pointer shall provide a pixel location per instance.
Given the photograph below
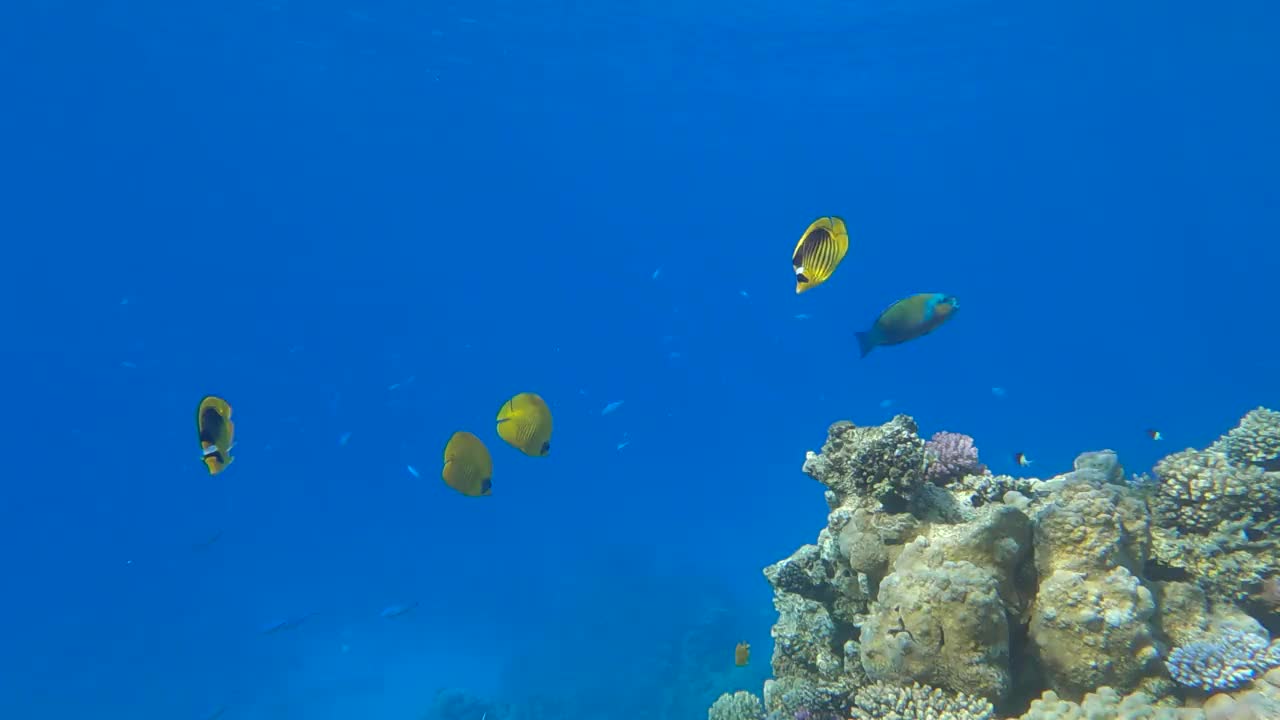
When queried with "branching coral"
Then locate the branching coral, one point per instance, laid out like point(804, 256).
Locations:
point(1255, 441)
point(950, 456)
point(741, 705)
point(881, 701)
point(1225, 661)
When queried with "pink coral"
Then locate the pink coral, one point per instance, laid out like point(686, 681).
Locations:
point(951, 456)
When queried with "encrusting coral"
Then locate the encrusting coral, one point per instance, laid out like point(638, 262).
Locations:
point(938, 590)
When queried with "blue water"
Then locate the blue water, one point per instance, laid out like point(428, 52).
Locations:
point(296, 205)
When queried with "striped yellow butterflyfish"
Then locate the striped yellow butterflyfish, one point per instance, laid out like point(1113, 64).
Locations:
point(819, 252)
point(216, 432)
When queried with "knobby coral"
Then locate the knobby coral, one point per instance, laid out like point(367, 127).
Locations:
point(881, 701)
point(950, 456)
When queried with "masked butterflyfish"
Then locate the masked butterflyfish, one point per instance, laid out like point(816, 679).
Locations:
point(908, 319)
point(819, 251)
point(467, 465)
point(217, 433)
point(524, 422)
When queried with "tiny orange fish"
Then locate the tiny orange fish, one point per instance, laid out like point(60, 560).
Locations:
point(742, 654)
point(1154, 434)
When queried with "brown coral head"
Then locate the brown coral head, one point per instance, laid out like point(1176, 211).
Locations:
point(1269, 593)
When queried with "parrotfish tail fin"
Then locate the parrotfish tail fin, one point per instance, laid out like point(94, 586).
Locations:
point(865, 344)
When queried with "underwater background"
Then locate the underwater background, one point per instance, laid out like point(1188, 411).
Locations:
point(369, 224)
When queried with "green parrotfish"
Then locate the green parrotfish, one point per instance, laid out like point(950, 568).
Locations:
point(908, 319)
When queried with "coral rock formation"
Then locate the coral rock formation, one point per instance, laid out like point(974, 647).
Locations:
point(741, 705)
point(937, 590)
point(881, 701)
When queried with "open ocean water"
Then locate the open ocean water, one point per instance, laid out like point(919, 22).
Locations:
point(367, 225)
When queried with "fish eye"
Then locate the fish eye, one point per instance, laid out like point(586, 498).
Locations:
point(546, 447)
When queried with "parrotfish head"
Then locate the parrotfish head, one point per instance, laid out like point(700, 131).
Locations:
point(942, 306)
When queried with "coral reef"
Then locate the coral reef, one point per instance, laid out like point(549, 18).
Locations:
point(885, 463)
point(938, 621)
point(1224, 661)
point(1216, 512)
point(938, 590)
point(881, 701)
point(1255, 441)
point(1093, 621)
point(1105, 704)
point(741, 705)
point(1261, 701)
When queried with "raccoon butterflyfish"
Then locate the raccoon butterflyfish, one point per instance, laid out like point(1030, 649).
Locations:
point(820, 250)
point(216, 431)
point(467, 465)
point(742, 654)
point(908, 319)
point(524, 422)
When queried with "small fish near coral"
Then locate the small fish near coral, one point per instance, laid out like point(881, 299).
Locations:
point(216, 433)
point(742, 654)
point(819, 252)
point(908, 319)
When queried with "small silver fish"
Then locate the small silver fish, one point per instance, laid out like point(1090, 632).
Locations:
point(611, 407)
point(286, 624)
point(395, 611)
point(412, 471)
